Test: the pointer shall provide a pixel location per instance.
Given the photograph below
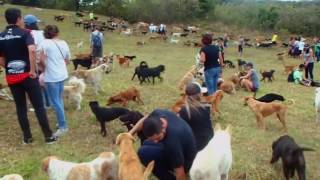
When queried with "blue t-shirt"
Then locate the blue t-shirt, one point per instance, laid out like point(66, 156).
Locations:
point(255, 79)
point(179, 142)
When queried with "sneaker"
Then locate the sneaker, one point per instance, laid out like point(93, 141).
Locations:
point(51, 140)
point(27, 141)
point(60, 132)
point(31, 109)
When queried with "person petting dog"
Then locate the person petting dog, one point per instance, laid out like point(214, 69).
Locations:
point(211, 57)
point(197, 115)
point(170, 143)
point(250, 81)
point(298, 77)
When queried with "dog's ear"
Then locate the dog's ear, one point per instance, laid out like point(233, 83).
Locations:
point(46, 163)
point(148, 170)
point(217, 127)
point(119, 138)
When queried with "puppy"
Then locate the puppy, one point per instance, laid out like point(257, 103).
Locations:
point(130, 167)
point(130, 120)
point(93, 76)
point(215, 101)
point(317, 103)
point(143, 64)
point(103, 167)
point(179, 103)
point(73, 92)
point(291, 156)
point(187, 78)
point(104, 115)
point(262, 110)
point(229, 64)
point(227, 86)
point(270, 97)
point(241, 64)
point(125, 96)
point(12, 177)
point(154, 72)
point(215, 160)
point(267, 74)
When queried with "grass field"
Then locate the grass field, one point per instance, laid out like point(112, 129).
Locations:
point(251, 146)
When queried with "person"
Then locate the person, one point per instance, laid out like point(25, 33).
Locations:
point(240, 45)
point(55, 55)
point(212, 59)
point(250, 81)
point(296, 47)
point(301, 45)
point(225, 40)
point(31, 23)
point(274, 38)
point(170, 143)
point(17, 55)
point(221, 47)
point(162, 29)
point(96, 41)
point(308, 58)
point(197, 115)
point(91, 16)
point(317, 49)
point(298, 78)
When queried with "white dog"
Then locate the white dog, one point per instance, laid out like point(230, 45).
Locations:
point(103, 167)
point(74, 90)
point(12, 177)
point(317, 103)
point(175, 41)
point(214, 161)
point(93, 76)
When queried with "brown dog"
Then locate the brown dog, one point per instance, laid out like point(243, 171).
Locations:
point(262, 110)
point(123, 62)
point(177, 106)
point(215, 101)
point(228, 87)
point(187, 78)
point(130, 167)
point(288, 69)
point(123, 97)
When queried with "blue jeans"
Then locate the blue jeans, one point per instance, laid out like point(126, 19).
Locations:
point(55, 93)
point(45, 97)
point(211, 77)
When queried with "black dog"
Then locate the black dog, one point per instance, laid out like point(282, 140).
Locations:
point(137, 70)
point(241, 64)
point(268, 74)
point(229, 64)
point(271, 97)
point(291, 155)
point(130, 119)
point(145, 73)
point(106, 114)
point(130, 57)
point(85, 62)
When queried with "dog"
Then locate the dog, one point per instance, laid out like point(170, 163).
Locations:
point(85, 62)
point(103, 167)
point(262, 110)
point(229, 64)
point(143, 64)
point(227, 86)
point(187, 78)
point(174, 41)
point(93, 76)
point(125, 96)
point(289, 68)
point(73, 92)
point(241, 64)
point(215, 101)
point(130, 120)
point(145, 73)
point(59, 18)
point(179, 103)
point(267, 74)
point(129, 57)
point(291, 155)
point(12, 177)
point(104, 114)
point(130, 167)
point(123, 61)
point(215, 160)
point(4, 94)
point(317, 103)
point(140, 43)
point(270, 97)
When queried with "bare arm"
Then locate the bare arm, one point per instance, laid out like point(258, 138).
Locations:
point(180, 174)
point(202, 57)
point(221, 59)
point(32, 58)
point(138, 127)
point(2, 61)
point(246, 76)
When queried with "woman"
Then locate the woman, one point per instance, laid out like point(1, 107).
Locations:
point(197, 115)
point(210, 56)
point(308, 58)
point(54, 56)
point(251, 80)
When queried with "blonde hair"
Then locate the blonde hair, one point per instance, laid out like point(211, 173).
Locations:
point(193, 104)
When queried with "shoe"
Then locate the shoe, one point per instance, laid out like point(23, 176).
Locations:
point(26, 141)
point(60, 132)
point(31, 109)
point(51, 140)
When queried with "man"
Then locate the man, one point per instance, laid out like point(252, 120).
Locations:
point(96, 40)
point(17, 55)
point(298, 76)
point(317, 49)
point(274, 38)
point(170, 143)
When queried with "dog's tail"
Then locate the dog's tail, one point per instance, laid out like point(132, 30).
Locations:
point(79, 83)
point(143, 64)
point(289, 102)
point(148, 170)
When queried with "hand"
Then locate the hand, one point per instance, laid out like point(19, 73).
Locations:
point(32, 74)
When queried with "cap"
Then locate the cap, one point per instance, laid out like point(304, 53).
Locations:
point(30, 19)
point(193, 89)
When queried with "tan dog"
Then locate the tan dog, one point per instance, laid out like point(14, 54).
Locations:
point(288, 69)
point(12, 177)
point(125, 96)
point(177, 106)
point(130, 167)
point(101, 168)
point(262, 110)
point(215, 101)
point(187, 78)
point(74, 90)
point(228, 87)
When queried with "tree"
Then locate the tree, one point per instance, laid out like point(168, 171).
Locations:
point(205, 7)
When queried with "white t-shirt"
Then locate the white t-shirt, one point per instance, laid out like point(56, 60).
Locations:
point(38, 38)
point(301, 45)
point(56, 68)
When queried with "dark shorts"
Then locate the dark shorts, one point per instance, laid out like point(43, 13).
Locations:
point(240, 48)
point(96, 52)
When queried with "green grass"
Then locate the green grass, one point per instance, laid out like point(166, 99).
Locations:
point(251, 146)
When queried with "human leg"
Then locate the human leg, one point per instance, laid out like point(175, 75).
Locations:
point(209, 75)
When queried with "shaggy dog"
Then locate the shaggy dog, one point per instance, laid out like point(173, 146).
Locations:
point(229, 64)
point(73, 92)
point(104, 115)
point(145, 73)
point(103, 167)
point(93, 76)
point(130, 167)
point(12, 177)
point(267, 74)
point(143, 64)
point(241, 64)
point(85, 62)
point(187, 78)
point(291, 156)
point(130, 120)
point(262, 110)
point(125, 96)
point(270, 97)
point(215, 101)
point(317, 103)
point(215, 160)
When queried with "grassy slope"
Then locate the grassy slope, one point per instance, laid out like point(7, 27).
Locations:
point(251, 146)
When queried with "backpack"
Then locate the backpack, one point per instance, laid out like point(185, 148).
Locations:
point(290, 77)
point(96, 41)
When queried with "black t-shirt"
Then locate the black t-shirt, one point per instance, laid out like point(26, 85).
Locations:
point(179, 142)
point(212, 56)
point(14, 42)
point(200, 123)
